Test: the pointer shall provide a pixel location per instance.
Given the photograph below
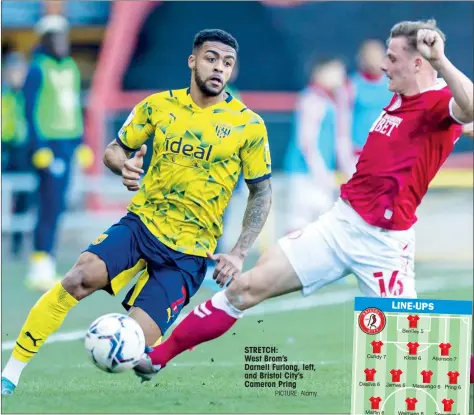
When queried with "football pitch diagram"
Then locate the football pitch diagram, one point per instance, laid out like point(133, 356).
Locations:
point(411, 357)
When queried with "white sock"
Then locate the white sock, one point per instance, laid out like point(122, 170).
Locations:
point(221, 302)
point(13, 369)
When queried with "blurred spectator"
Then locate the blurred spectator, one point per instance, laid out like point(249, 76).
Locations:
point(55, 127)
point(310, 160)
point(369, 90)
point(15, 154)
point(13, 119)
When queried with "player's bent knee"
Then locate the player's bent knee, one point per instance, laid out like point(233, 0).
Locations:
point(238, 292)
point(89, 274)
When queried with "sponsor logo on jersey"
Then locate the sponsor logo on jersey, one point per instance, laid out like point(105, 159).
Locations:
point(385, 124)
point(198, 152)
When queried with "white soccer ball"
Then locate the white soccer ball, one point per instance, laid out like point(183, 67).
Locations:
point(115, 343)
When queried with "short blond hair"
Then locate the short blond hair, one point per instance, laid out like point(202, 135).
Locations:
point(409, 30)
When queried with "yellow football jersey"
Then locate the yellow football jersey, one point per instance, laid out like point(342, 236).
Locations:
point(198, 154)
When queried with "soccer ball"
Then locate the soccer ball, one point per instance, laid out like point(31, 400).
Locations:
point(115, 343)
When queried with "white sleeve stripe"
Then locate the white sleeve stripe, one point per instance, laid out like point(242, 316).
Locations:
point(451, 113)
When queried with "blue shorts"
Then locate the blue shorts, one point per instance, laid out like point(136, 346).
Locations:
point(169, 278)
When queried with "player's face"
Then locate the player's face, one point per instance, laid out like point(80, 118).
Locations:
point(212, 67)
point(400, 66)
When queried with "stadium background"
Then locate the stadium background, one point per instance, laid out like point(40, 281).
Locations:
point(127, 49)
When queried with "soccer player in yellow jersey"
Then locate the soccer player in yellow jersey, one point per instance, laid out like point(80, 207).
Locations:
point(203, 139)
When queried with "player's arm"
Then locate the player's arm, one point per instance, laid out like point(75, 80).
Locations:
point(431, 46)
point(256, 213)
point(256, 164)
point(131, 138)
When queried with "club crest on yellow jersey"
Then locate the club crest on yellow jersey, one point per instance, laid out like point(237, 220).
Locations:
point(223, 130)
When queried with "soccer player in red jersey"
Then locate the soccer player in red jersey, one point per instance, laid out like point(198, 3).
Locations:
point(445, 349)
point(377, 347)
point(370, 374)
point(375, 402)
point(426, 376)
point(411, 403)
point(396, 375)
point(369, 232)
point(448, 405)
point(453, 377)
point(413, 348)
point(413, 321)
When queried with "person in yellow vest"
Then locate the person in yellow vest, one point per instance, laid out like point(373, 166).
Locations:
point(55, 128)
point(14, 138)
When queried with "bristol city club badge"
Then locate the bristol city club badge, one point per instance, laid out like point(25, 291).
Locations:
point(372, 321)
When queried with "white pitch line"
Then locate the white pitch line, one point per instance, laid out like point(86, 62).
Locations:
point(434, 284)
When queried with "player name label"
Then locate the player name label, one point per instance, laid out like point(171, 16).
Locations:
point(411, 356)
point(266, 368)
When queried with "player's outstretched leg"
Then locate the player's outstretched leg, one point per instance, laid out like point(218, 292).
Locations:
point(88, 275)
point(272, 276)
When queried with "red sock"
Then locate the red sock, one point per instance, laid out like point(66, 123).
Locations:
point(472, 369)
point(204, 323)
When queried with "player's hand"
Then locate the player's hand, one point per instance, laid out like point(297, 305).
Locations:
point(227, 267)
point(430, 45)
point(132, 169)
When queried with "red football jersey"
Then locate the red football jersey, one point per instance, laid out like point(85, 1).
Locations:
point(375, 402)
point(413, 348)
point(448, 405)
point(405, 148)
point(377, 346)
point(413, 321)
point(369, 374)
point(411, 403)
point(445, 349)
point(426, 376)
point(396, 375)
point(453, 377)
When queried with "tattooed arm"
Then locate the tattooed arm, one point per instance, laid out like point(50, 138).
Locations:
point(258, 207)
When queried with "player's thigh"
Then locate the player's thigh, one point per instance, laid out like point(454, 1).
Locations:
point(117, 249)
point(314, 260)
point(387, 268)
point(162, 291)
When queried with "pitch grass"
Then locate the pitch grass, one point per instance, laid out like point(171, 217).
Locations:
point(209, 379)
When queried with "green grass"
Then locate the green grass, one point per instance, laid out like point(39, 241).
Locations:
point(209, 379)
